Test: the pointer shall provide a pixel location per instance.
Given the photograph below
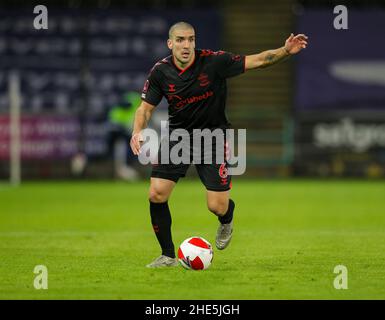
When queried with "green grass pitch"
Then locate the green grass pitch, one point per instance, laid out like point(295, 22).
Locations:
point(95, 238)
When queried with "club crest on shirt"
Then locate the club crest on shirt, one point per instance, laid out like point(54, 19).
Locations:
point(203, 80)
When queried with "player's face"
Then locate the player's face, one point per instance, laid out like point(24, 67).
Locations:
point(182, 44)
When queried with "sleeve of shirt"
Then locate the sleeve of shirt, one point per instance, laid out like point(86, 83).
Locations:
point(229, 65)
point(152, 92)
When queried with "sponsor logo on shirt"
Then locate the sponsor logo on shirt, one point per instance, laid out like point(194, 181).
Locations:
point(171, 97)
point(182, 102)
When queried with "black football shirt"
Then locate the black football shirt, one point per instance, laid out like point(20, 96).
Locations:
point(197, 94)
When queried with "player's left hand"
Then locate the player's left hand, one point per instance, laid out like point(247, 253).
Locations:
point(295, 44)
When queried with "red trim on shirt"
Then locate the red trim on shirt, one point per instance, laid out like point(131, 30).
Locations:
point(183, 70)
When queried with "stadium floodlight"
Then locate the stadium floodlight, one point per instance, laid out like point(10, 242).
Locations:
point(14, 128)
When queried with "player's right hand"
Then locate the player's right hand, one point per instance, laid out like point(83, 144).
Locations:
point(136, 142)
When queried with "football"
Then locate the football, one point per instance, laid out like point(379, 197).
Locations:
point(195, 253)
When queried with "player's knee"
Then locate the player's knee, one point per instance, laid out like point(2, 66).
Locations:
point(219, 208)
point(157, 196)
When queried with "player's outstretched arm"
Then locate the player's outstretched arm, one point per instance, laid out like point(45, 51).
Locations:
point(142, 116)
point(293, 45)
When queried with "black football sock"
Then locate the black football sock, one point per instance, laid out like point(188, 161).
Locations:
point(229, 214)
point(161, 223)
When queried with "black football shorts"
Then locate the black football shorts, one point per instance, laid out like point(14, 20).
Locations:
point(213, 175)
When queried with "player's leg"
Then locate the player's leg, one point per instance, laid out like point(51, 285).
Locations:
point(164, 176)
point(163, 180)
point(218, 184)
point(159, 193)
point(219, 203)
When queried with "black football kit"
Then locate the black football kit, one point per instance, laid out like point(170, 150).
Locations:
point(197, 97)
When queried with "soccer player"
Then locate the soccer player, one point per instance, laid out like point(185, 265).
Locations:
point(194, 83)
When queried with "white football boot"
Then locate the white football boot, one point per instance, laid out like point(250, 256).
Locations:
point(163, 261)
point(224, 234)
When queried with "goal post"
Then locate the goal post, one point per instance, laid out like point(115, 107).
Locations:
point(14, 128)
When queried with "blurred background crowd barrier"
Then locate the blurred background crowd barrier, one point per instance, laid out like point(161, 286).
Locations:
point(322, 113)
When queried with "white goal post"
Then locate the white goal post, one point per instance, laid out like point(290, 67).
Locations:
point(14, 128)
